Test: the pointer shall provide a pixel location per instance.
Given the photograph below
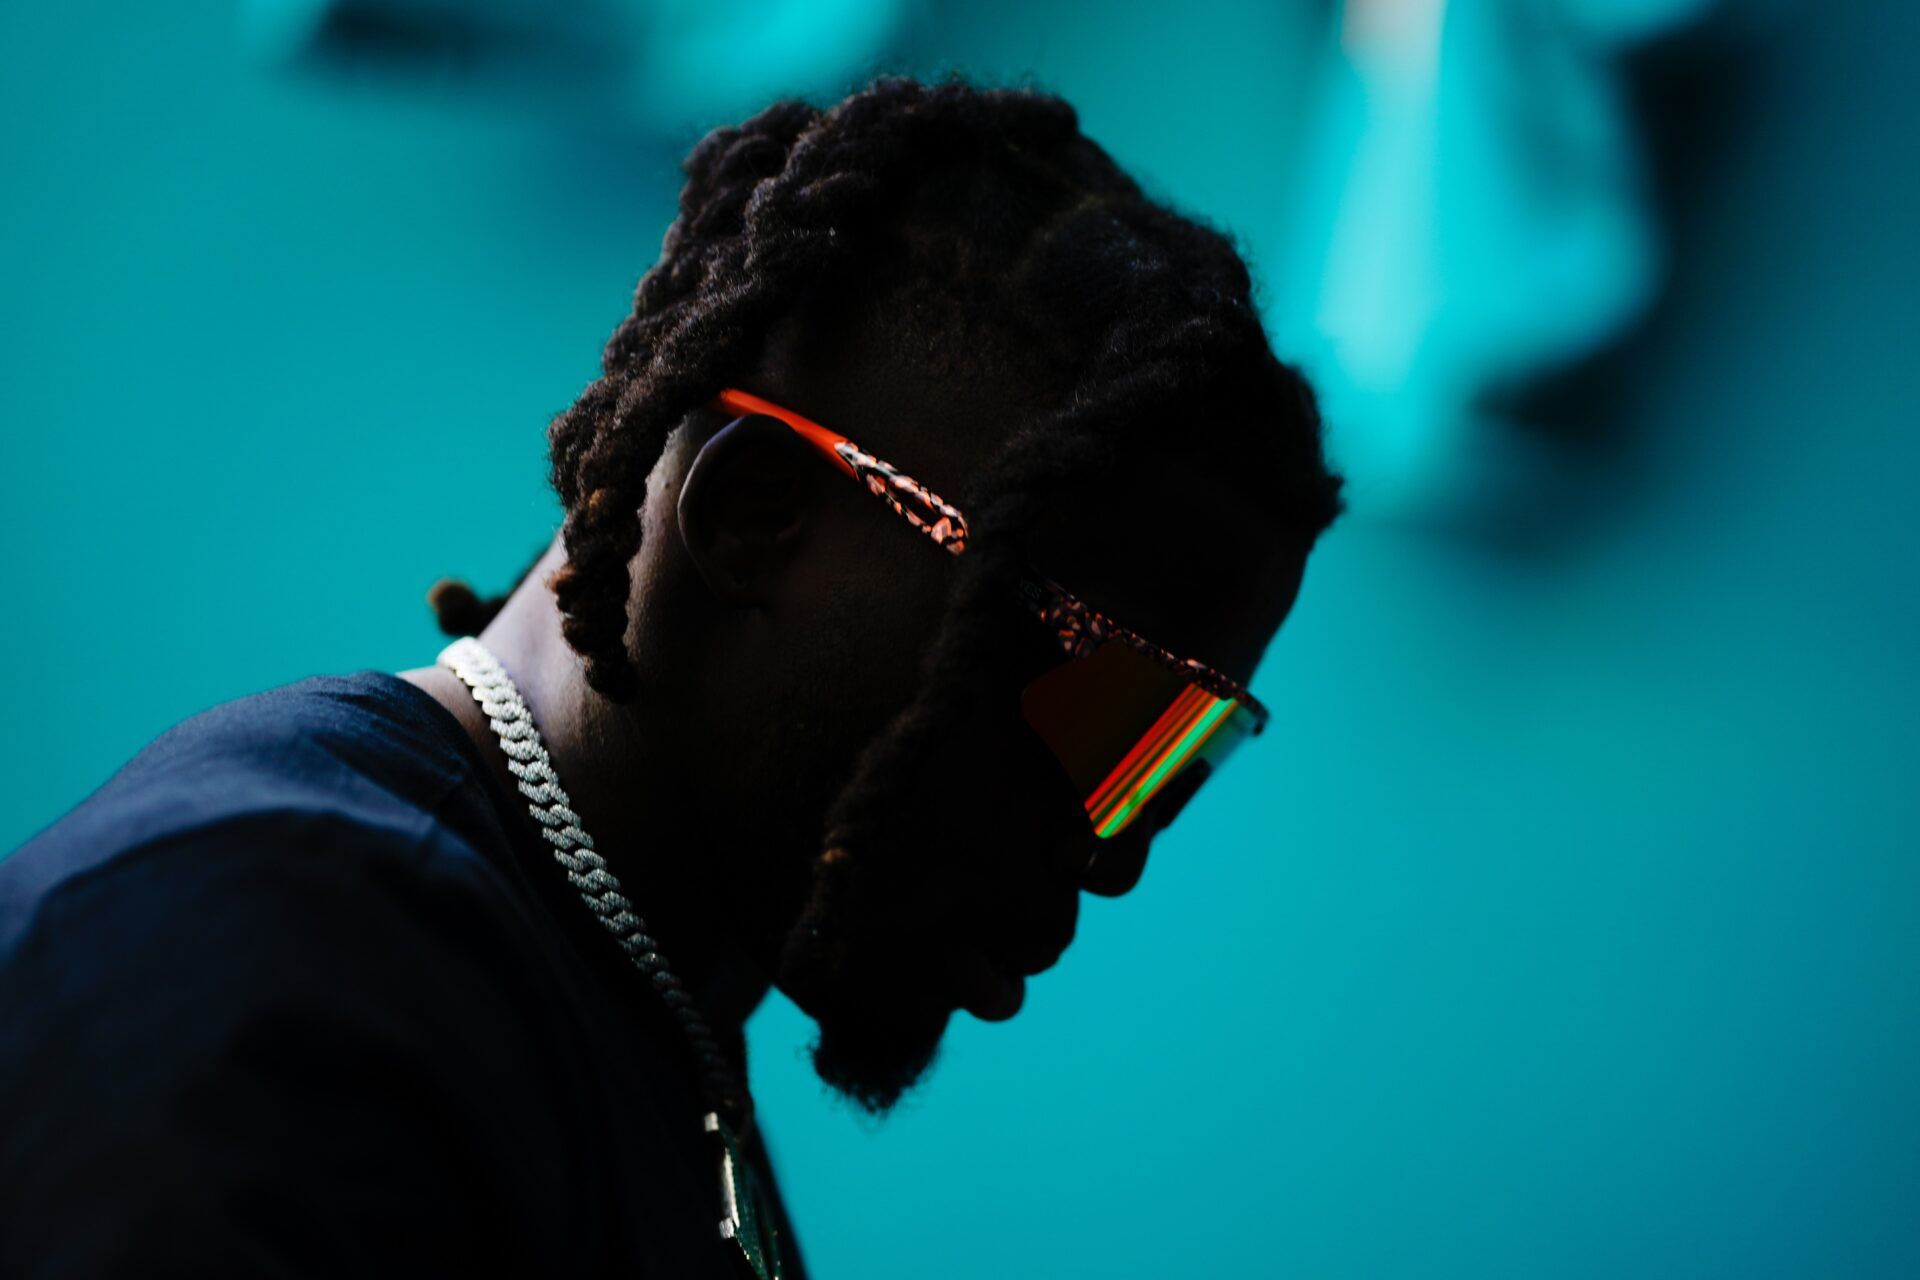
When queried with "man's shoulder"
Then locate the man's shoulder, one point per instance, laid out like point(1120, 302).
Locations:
point(266, 949)
point(329, 776)
point(365, 743)
point(344, 1014)
point(269, 928)
point(310, 859)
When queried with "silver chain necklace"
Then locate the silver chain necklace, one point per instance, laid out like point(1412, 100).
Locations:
point(746, 1219)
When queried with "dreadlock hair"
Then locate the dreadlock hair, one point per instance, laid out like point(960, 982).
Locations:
point(986, 220)
point(988, 203)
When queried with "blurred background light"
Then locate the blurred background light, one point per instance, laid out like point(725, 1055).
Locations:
point(656, 64)
point(1472, 214)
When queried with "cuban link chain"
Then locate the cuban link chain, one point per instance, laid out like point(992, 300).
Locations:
point(746, 1217)
point(573, 849)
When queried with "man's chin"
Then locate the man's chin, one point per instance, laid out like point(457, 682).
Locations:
point(873, 1057)
point(879, 1012)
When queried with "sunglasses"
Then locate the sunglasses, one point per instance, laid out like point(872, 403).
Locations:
point(1129, 722)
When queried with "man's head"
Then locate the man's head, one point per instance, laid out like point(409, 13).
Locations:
point(970, 289)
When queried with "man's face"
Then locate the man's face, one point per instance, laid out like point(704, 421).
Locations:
point(958, 850)
point(965, 847)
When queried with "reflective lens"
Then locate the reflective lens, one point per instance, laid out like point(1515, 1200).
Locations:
point(1123, 726)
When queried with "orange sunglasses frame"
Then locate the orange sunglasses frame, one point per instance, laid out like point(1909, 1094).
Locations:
point(1168, 745)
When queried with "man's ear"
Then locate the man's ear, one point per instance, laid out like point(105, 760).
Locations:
point(743, 507)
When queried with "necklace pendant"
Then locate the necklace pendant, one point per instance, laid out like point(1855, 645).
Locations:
point(747, 1218)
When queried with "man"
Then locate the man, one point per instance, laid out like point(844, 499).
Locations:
point(937, 502)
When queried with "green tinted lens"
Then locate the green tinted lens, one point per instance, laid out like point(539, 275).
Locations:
point(1123, 726)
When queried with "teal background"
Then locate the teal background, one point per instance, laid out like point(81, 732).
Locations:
point(1567, 924)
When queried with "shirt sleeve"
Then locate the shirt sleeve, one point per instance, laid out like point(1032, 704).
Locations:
point(287, 1047)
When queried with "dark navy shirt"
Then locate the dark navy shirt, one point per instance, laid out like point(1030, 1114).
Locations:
point(293, 994)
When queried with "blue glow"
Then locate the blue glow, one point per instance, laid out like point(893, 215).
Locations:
point(1470, 212)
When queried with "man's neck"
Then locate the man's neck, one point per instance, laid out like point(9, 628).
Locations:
point(622, 785)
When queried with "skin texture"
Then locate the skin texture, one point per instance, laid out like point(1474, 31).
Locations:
point(780, 616)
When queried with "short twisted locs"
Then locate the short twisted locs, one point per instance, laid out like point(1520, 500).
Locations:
point(987, 208)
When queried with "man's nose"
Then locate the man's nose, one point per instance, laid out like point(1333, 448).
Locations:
point(1114, 864)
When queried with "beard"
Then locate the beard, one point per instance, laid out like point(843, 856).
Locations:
point(874, 1070)
point(867, 985)
point(879, 1031)
point(942, 870)
point(938, 857)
